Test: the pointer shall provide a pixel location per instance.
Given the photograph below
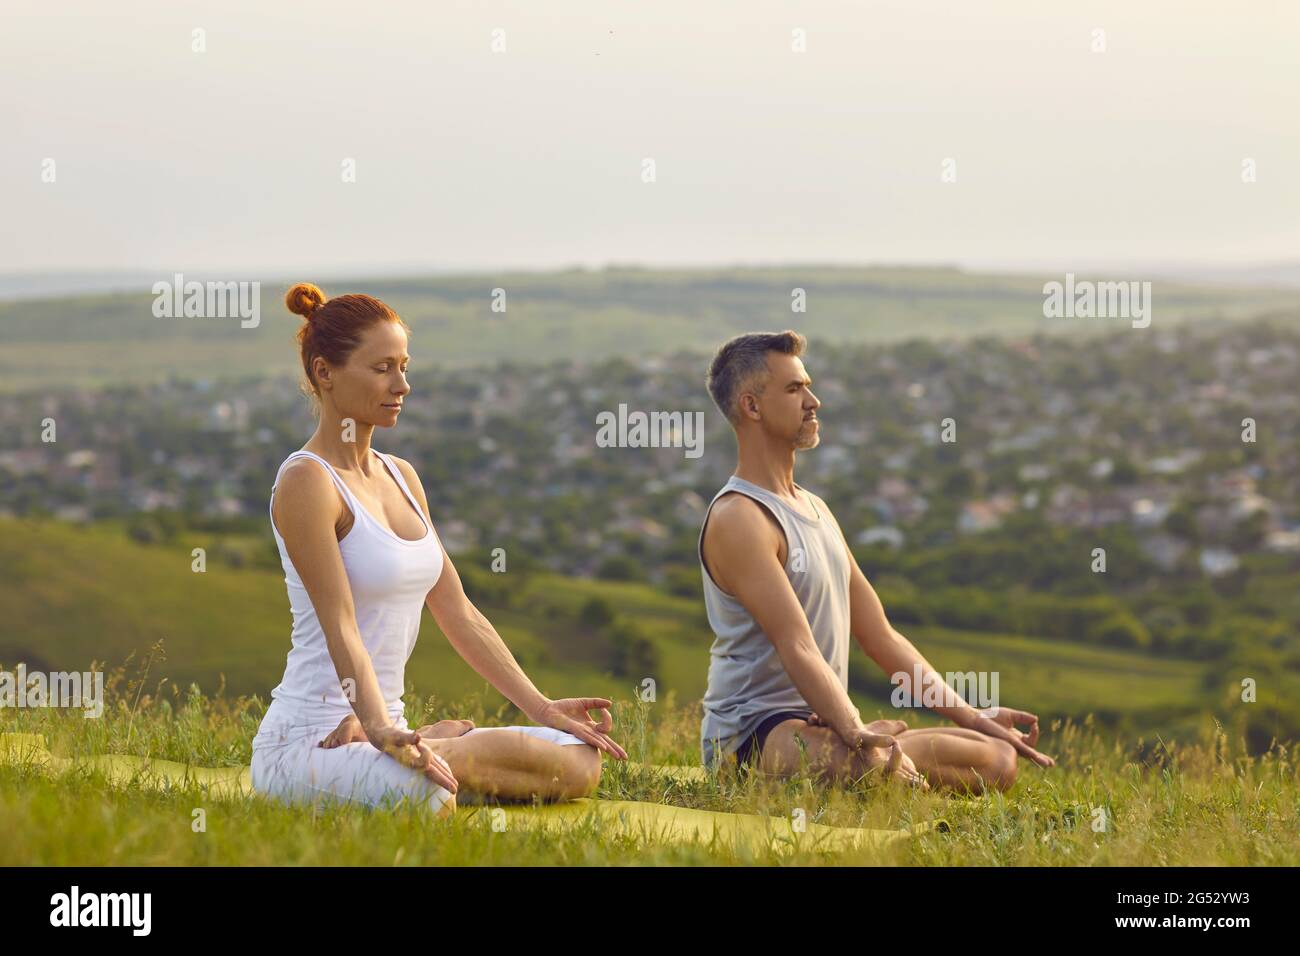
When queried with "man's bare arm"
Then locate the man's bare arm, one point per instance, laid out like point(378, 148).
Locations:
point(896, 655)
point(742, 547)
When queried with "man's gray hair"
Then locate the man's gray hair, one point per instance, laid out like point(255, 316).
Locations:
point(743, 358)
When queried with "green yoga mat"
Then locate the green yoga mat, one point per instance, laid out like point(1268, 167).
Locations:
point(647, 822)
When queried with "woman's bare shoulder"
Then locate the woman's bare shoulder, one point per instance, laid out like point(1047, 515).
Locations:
point(412, 480)
point(408, 472)
point(304, 493)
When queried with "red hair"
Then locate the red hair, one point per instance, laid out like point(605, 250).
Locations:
point(333, 327)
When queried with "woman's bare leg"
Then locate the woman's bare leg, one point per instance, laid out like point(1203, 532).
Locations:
point(504, 764)
point(513, 766)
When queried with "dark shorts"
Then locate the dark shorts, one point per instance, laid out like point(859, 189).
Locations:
point(748, 752)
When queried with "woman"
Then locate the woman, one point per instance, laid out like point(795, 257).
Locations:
point(361, 557)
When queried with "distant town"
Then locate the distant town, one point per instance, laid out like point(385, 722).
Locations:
point(1188, 437)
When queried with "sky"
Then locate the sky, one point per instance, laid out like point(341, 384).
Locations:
point(533, 156)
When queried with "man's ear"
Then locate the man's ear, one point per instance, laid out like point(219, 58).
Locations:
point(749, 406)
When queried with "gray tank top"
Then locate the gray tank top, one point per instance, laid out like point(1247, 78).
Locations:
point(747, 681)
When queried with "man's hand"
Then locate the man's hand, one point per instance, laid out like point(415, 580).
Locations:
point(890, 727)
point(902, 765)
point(1000, 722)
point(885, 749)
point(571, 715)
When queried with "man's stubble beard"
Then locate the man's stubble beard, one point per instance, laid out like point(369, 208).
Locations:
point(807, 438)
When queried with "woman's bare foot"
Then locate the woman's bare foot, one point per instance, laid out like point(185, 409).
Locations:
point(444, 729)
point(347, 732)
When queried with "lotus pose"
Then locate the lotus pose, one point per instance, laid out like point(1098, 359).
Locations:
point(361, 559)
point(783, 593)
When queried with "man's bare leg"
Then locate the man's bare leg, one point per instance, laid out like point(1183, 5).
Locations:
point(961, 759)
point(794, 741)
point(955, 757)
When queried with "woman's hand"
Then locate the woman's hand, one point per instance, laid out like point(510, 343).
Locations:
point(571, 715)
point(406, 747)
point(1000, 722)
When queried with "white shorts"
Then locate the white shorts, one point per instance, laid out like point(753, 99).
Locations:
point(299, 771)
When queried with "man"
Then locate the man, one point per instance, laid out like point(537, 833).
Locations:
point(783, 593)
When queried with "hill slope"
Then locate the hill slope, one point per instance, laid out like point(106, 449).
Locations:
point(101, 339)
point(70, 595)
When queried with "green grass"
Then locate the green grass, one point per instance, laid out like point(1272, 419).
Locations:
point(1201, 803)
point(90, 593)
point(1139, 736)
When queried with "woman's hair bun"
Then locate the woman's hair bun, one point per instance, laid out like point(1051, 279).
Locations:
point(304, 299)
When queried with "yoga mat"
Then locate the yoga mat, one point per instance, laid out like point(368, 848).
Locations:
point(120, 769)
point(643, 821)
point(658, 823)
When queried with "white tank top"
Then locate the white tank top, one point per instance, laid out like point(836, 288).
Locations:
point(390, 577)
